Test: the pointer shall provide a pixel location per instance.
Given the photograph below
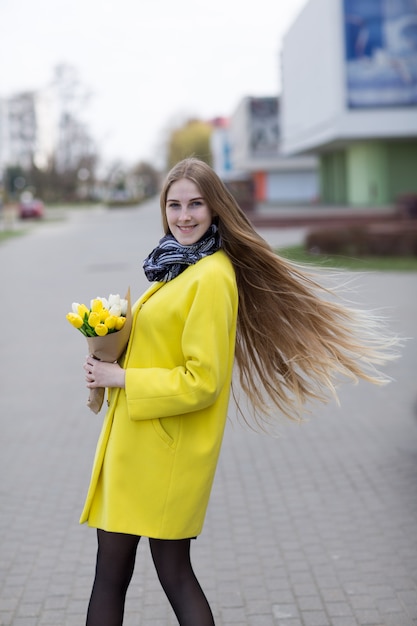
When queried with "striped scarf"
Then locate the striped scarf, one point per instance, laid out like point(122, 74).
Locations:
point(170, 258)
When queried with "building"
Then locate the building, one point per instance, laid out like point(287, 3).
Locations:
point(349, 73)
point(28, 124)
point(247, 149)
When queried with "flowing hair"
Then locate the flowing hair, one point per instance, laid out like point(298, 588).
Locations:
point(294, 341)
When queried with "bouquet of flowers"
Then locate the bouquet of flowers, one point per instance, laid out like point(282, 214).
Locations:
point(106, 324)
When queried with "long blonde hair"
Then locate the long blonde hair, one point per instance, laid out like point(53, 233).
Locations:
point(293, 342)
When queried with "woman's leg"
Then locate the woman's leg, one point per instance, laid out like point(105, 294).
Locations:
point(116, 556)
point(173, 566)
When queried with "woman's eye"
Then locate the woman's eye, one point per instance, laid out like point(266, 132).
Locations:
point(196, 203)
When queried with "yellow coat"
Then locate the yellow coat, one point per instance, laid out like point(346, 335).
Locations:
point(158, 449)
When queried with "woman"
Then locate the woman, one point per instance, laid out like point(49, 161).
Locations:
point(220, 294)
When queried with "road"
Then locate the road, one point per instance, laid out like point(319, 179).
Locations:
point(317, 527)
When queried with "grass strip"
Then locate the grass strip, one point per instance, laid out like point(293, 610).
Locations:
point(8, 234)
point(299, 254)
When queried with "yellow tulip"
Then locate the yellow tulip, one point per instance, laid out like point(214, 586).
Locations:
point(75, 320)
point(120, 322)
point(101, 330)
point(93, 319)
point(110, 321)
point(82, 310)
point(104, 314)
point(96, 305)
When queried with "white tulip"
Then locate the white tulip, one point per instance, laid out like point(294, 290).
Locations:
point(116, 310)
point(123, 304)
point(75, 306)
point(114, 299)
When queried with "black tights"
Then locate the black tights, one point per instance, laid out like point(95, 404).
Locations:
point(115, 563)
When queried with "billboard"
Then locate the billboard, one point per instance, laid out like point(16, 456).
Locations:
point(380, 52)
point(263, 127)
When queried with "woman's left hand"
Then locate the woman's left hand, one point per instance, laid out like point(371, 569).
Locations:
point(101, 374)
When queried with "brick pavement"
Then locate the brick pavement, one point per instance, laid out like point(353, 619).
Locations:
point(315, 528)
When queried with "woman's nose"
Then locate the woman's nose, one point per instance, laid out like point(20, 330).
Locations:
point(185, 214)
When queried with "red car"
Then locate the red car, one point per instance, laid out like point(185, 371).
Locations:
point(31, 208)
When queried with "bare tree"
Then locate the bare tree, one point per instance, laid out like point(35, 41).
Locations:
point(75, 158)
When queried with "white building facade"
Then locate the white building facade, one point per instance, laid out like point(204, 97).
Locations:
point(28, 129)
point(349, 72)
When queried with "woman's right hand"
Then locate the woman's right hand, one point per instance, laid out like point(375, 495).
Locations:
point(102, 374)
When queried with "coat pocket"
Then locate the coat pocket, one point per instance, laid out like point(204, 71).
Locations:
point(162, 433)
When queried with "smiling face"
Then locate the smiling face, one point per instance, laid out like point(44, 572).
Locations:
point(187, 213)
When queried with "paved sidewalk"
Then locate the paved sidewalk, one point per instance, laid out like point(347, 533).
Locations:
point(315, 528)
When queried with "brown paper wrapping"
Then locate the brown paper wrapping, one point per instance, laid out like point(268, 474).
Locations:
point(109, 349)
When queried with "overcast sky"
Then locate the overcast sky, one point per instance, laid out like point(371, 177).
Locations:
point(146, 62)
